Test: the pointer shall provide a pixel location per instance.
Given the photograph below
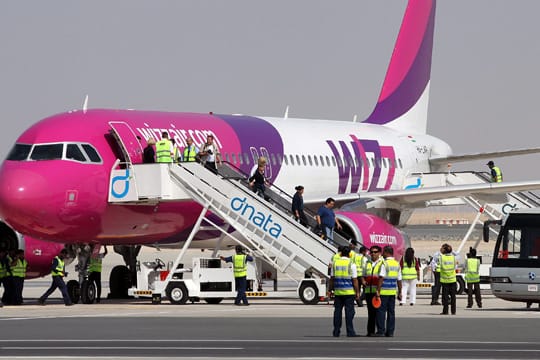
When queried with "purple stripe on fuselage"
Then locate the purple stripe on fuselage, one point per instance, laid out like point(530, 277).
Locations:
point(257, 138)
point(412, 86)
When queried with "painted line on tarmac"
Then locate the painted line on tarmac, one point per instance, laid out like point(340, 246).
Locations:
point(118, 348)
point(454, 350)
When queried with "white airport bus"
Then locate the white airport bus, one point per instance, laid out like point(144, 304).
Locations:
point(515, 272)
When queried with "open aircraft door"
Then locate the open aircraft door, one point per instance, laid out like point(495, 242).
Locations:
point(127, 141)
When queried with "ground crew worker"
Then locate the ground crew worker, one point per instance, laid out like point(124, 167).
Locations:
point(496, 173)
point(176, 152)
point(448, 279)
point(344, 285)
point(164, 149)
point(436, 270)
point(410, 273)
point(58, 271)
point(94, 271)
point(360, 261)
point(190, 151)
point(388, 289)
point(370, 282)
point(18, 271)
point(9, 292)
point(336, 256)
point(239, 261)
point(4, 268)
point(472, 277)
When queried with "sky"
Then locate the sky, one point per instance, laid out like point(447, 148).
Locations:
point(323, 59)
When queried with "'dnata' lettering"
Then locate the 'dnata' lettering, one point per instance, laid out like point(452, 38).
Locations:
point(265, 222)
point(354, 165)
point(180, 135)
point(383, 239)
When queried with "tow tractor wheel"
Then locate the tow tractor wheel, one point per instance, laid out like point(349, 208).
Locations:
point(88, 292)
point(460, 283)
point(213, 300)
point(309, 294)
point(177, 293)
point(74, 291)
point(119, 282)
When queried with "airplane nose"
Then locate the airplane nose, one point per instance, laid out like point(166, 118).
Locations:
point(22, 195)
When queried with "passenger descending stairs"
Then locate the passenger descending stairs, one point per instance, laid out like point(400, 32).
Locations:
point(273, 233)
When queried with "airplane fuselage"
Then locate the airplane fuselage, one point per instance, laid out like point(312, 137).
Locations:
point(52, 192)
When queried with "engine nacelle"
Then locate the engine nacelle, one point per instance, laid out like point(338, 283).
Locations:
point(38, 253)
point(369, 230)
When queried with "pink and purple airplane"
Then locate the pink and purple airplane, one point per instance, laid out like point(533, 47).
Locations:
point(54, 184)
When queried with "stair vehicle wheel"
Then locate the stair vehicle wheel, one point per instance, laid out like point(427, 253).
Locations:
point(460, 283)
point(213, 300)
point(309, 294)
point(120, 282)
point(74, 291)
point(177, 293)
point(88, 292)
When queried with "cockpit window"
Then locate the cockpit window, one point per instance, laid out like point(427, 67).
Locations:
point(19, 152)
point(73, 152)
point(47, 152)
point(92, 153)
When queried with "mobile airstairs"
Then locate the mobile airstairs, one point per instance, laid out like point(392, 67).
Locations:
point(493, 207)
point(265, 227)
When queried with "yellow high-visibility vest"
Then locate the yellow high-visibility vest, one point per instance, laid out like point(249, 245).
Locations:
point(473, 270)
point(343, 283)
point(240, 265)
point(448, 269)
point(389, 285)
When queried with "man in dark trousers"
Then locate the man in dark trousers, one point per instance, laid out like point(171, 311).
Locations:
point(94, 271)
point(58, 271)
point(239, 261)
point(344, 284)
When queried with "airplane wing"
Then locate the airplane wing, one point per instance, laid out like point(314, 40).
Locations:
point(489, 192)
point(482, 156)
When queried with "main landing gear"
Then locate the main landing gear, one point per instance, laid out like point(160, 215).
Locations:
point(122, 277)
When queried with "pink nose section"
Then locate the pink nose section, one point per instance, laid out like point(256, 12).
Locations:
point(22, 195)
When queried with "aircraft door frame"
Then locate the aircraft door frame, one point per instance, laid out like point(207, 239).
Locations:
point(126, 138)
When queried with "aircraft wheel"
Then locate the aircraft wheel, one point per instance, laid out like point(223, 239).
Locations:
point(213, 300)
point(88, 292)
point(460, 283)
point(309, 294)
point(177, 293)
point(74, 291)
point(119, 282)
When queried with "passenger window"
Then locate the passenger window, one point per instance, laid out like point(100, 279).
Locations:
point(233, 157)
point(333, 161)
point(292, 159)
point(309, 160)
point(316, 161)
point(322, 160)
point(92, 153)
point(74, 153)
point(240, 160)
point(19, 152)
point(273, 157)
point(327, 161)
point(280, 159)
point(400, 164)
point(298, 160)
point(47, 152)
point(304, 160)
point(246, 158)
